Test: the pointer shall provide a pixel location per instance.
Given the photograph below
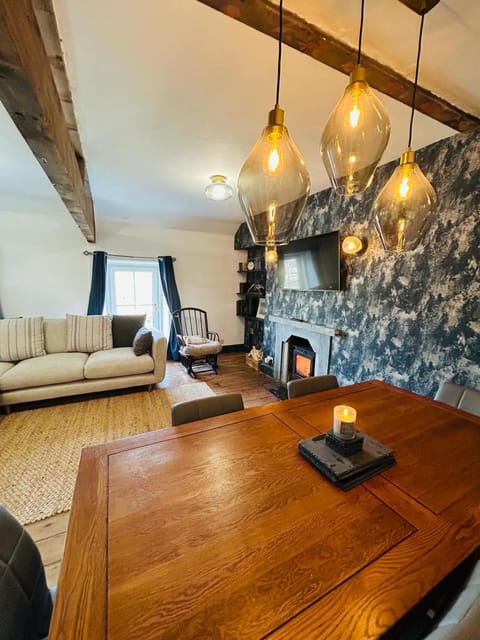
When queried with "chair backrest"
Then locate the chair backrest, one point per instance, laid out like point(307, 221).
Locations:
point(192, 410)
point(459, 396)
point(25, 601)
point(312, 384)
point(462, 620)
point(190, 321)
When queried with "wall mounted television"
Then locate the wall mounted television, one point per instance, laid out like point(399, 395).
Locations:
point(311, 264)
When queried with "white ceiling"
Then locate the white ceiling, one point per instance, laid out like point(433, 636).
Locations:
point(168, 93)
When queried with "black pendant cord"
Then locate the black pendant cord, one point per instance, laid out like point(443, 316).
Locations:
point(415, 83)
point(279, 63)
point(359, 52)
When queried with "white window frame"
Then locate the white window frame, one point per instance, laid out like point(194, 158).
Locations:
point(160, 312)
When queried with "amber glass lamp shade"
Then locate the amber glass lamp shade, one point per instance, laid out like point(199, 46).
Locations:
point(273, 184)
point(404, 207)
point(355, 137)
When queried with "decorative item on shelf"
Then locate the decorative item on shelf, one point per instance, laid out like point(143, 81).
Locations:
point(218, 189)
point(356, 133)
point(404, 207)
point(274, 183)
point(254, 358)
point(256, 289)
point(352, 245)
point(261, 308)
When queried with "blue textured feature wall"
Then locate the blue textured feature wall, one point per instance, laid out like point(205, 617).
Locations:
point(411, 319)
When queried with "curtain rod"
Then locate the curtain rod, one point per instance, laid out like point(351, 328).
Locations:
point(119, 255)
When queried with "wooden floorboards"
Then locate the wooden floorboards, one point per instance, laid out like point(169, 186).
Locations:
point(233, 376)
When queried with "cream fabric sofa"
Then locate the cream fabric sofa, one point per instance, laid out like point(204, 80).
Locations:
point(61, 373)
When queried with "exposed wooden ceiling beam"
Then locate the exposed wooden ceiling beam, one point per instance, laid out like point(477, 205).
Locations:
point(30, 95)
point(307, 38)
point(420, 6)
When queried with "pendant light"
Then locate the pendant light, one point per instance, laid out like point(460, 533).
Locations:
point(273, 184)
point(356, 133)
point(404, 207)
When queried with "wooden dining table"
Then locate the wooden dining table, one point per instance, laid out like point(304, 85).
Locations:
point(220, 529)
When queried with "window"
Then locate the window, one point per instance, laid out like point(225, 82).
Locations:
point(133, 286)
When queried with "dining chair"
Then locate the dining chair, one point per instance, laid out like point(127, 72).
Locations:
point(198, 346)
point(459, 396)
point(25, 600)
point(462, 619)
point(312, 384)
point(192, 410)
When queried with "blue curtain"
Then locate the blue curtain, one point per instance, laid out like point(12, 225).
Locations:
point(170, 291)
point(97, 288)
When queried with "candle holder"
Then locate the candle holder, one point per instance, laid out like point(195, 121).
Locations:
point(343, 446)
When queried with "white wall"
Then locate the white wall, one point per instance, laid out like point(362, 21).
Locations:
point(44, 272)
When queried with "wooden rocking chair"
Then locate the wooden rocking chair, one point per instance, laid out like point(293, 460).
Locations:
point(198, 347)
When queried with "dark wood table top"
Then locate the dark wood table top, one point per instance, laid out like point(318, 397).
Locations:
point(220, 529)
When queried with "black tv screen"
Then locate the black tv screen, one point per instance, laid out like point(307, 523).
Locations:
point(311, 264)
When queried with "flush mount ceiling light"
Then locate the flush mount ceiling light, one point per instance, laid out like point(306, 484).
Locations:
point(356, 133)
point(218, 189)
point(352, 245)
point(273, 183)
point(404, 207)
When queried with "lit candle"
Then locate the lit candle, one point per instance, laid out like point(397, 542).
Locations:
point(344, 421)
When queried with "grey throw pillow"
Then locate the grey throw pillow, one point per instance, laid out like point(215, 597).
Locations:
point(124, 329)
point(142, 342)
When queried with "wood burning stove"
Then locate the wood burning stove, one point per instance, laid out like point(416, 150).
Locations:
point(303, 362)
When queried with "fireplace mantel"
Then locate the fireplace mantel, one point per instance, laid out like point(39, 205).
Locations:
point(306, 326)
point(319, 337)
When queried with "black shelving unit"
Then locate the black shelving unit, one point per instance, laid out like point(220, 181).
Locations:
point(249, 297)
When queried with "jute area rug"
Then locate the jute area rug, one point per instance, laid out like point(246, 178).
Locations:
point(40, 448)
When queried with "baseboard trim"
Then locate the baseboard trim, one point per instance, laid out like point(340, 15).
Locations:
point(234, 348)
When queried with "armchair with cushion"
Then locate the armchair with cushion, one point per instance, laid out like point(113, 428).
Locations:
point(198, 347)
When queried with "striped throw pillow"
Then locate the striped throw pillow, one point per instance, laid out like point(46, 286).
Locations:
point(21, 338)
point(89, 333)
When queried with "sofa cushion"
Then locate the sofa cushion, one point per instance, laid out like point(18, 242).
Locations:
point(142, 343)
point(5, 366)
point(124, 329)
point(55, 332)
point(54, 368)
point(113, 363)
point(21, 338)
point(89, 333)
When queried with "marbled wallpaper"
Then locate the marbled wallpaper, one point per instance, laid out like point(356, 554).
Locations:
point(411, 319)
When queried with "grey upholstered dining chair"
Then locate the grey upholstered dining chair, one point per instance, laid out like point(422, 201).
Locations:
point(312, 384)
point(192, 410)
point(459, 396)
point(462, 620)
point(25, 600)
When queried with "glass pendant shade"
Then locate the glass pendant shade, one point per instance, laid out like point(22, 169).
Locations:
point(218, 189)
point(355, 137)
point(404, 207)
point(273, 184)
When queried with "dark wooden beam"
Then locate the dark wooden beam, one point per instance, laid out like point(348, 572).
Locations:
point(420, 6)
point(29, 93)
point(307, 38)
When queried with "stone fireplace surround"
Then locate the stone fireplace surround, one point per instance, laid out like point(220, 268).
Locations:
point(319, 337)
